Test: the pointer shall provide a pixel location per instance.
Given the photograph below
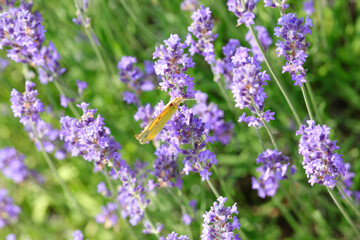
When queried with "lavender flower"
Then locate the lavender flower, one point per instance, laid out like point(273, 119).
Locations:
point(293, 47)
point(264, 39)
point(131, 196)
point(89, 138)
point(225, 66)
point(276, 4)
point(217, 224)
point(78, 235)
point(174, 236)
point(79, 20)
point(189, 5)
point(322, 165)
point(202, 28)
point(101, 188)
point(64, 101)
point(144, 114)
point(12, 165)
point(10, 236)
point(135, 80)
point(245, 15)
point(149, 229)
point(274, 168)
point(171, 66)
point(23, 33)
point(213, 117)
point(247, 87)
point(3, 64)
point(9, 211)
point(186, 219)
point(108, 215)
point(309, 7)
point(26, 106)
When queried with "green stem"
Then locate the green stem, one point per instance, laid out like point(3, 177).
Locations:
point(343, 213)
point(292, 222)
point(307, 103)
point(213, 189)
point(349, 201)
point(313, 102)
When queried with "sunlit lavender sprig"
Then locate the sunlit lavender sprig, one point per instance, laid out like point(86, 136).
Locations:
point(12, 165)
point(276, 4)
point(28, 108)
point(217, 222)
point(23, 33)
point(9, 211)
point(245, 15)
point(202, 28)
point(171, 66)
point(225, 66)
point(322, 165)
point(88, 137)
point(189, 5)
point(247, 87)
point(264, 39)
point(293, 45)
point(274, 168)
point(134, 79)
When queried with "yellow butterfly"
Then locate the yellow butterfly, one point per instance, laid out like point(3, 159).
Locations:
point(155, 126)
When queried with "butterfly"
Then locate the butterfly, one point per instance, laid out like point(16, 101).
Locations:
point(158, 123)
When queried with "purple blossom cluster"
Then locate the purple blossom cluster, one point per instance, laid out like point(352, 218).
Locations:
point(294, 46)
point(28, 108)
point(171, 66)
point(274, 168)
point(12, 165)
point(78, 235)
point(108, 215)
point(264, 39)
point(202, 28)
point(22, 33)
point(189, 5)
point(175, 236)
point(150, 229)
point(276, 4)
point(245, 14)
point(88, 137)
point(225, 66)
point(217, 222)
point(9, 211)
point(134, 78)
point(348, 182)
point(213, 117)
point(322, 165)
point(247, 87)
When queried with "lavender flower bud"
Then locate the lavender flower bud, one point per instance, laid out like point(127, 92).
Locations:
point(9, 211)
point(108, 215)
point(12, 165)
point(264, 39)
point(276, 4)
point(217, 222)
point(322, 165)
point(245, 15)
point(174, 236)
point(189, 5)
point(309, 7)
point(78, 235)
point(293, 47)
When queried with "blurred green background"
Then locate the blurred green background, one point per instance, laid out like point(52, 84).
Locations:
point(134, 28)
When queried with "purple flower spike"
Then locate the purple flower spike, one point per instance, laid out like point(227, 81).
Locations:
point(276, 4)
point(264, 39)
point(201, 28)
point(174, 236)
point(322, 165)
point(294, 46)
point(26, 106)
point(245, 15)
point(171, 66)
point(12, 165)
point(217, 224)
point(189, 5)
point(274, 169)
point(9, 211)
point(81, 87)
point(247, 87)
